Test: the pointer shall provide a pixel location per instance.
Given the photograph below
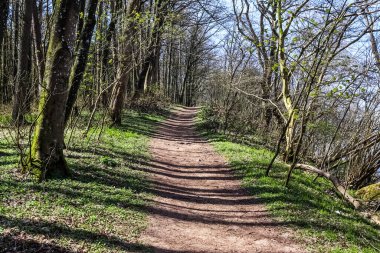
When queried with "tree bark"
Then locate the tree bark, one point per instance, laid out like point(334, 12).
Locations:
point(46, 157)
point(39, 52)
point(4, 9)
point(77, 71)
point(23, 82)
point(285, 81)
point(107, 51)
point(16, 17)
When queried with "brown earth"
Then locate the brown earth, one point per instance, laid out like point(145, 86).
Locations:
point(199, 204)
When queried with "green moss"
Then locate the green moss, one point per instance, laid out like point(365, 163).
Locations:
point(369, 193)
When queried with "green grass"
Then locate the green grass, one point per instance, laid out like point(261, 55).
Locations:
point(100, 208)
point(322, 220)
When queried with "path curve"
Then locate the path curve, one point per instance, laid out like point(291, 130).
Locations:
point(199, 204)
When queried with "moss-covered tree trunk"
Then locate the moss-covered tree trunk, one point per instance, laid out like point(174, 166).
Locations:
point(285, 82)
point(46, 157)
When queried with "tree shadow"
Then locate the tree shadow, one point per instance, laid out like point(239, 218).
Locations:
point(51, 230)
point(303, 204)
point(101, 179)
point(140, 125)
point(18, 244)
point(309, 205)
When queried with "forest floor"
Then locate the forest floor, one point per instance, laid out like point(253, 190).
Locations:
point(199, 205)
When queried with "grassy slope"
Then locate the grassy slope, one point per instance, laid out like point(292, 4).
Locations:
point(325, 223)
point(98, 209)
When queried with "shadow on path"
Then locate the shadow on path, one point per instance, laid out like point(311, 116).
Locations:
point(200, 205)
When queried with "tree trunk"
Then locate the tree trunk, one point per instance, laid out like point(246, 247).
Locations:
point(46, 157)
point(15, 14)
point(23, 81)
point(77, 71)
point(285, 81)
point(125, 66)
point(107, 51)
point(4, 8)
point(118, 102)
point(39, 52)
point(149, 70)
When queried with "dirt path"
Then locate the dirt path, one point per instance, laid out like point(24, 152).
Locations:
point(200, 206)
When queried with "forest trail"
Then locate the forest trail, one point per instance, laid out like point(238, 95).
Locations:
point(199, 204)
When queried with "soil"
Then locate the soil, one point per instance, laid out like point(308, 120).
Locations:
point(200, 205)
